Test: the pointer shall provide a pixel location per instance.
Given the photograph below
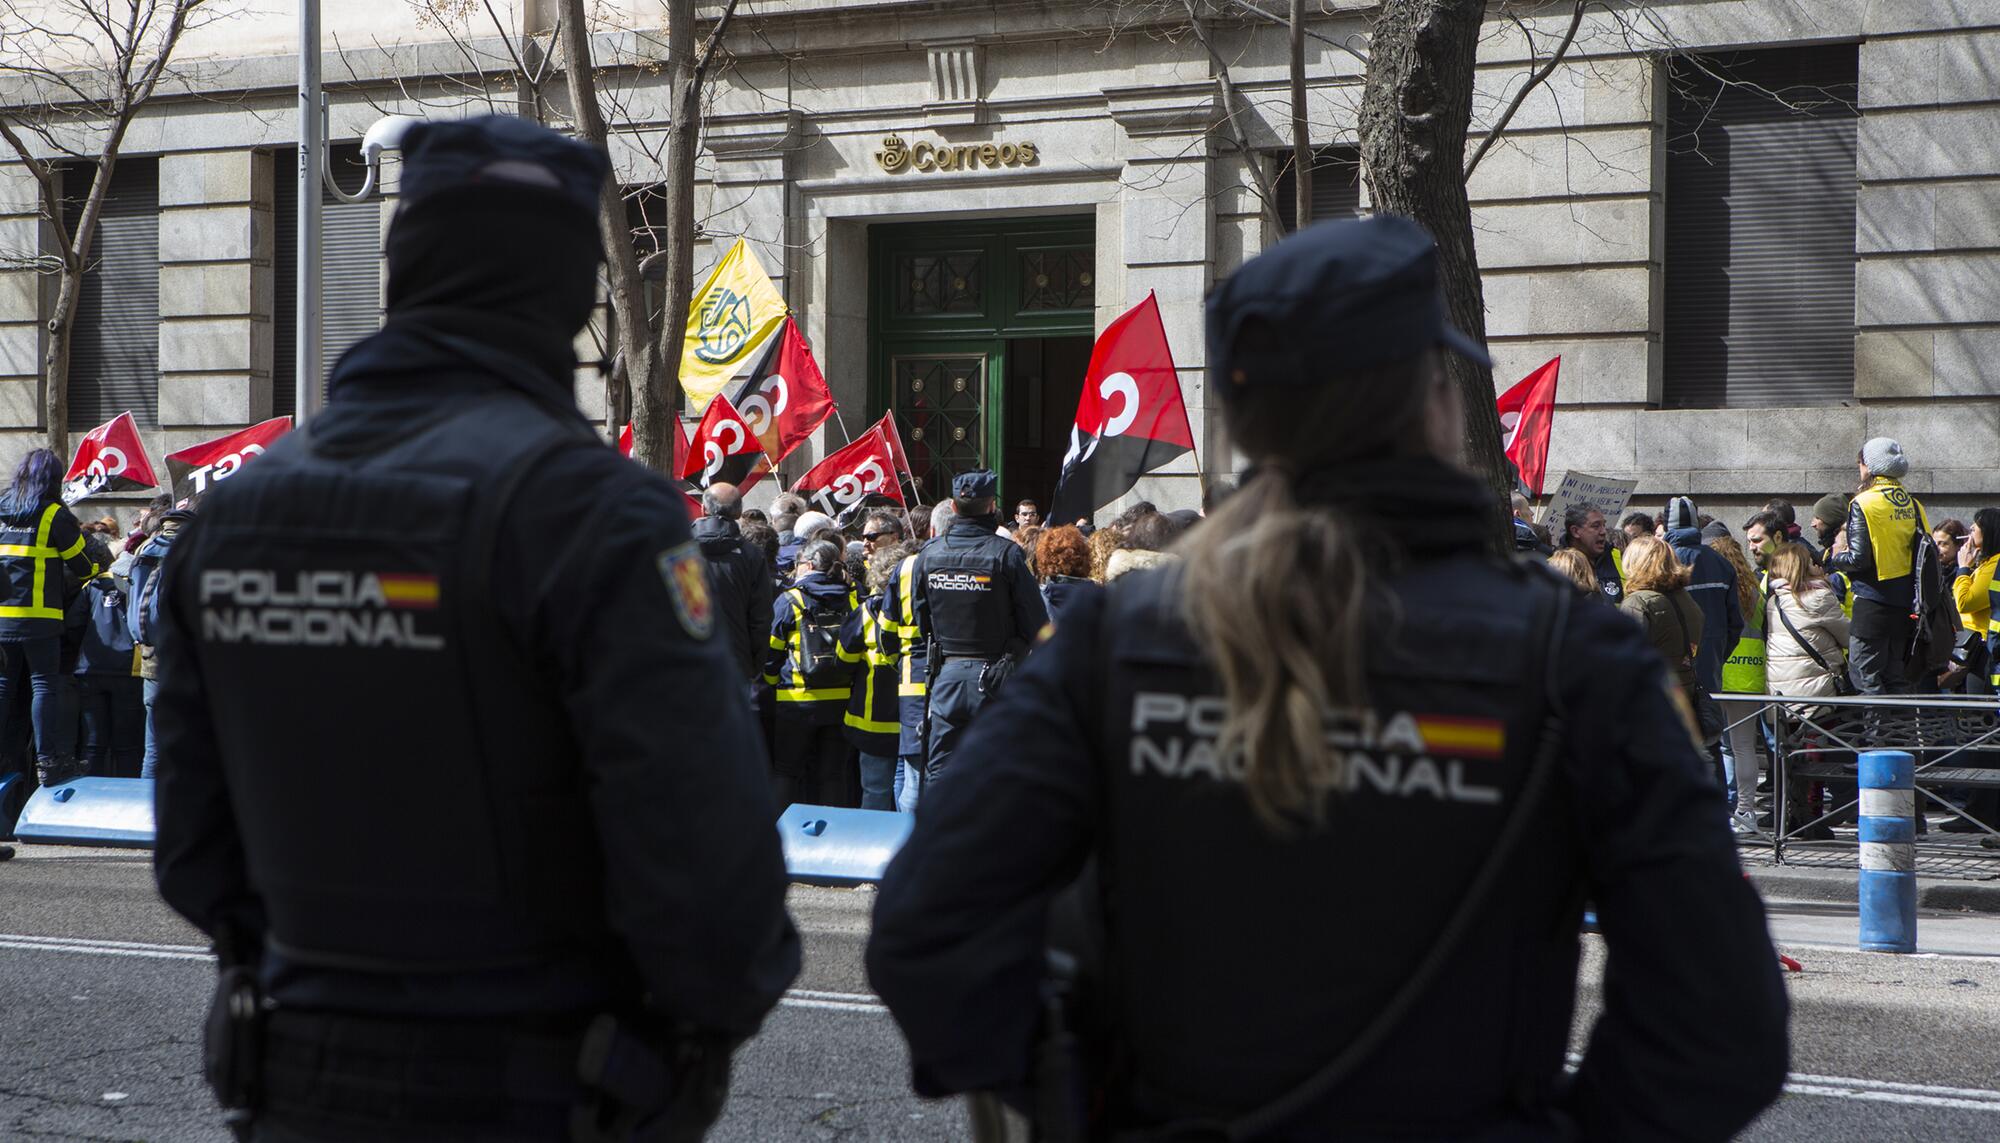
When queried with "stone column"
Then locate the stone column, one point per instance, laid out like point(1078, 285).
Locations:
point(1166, 230)
point(21, 290)
point(215, 339)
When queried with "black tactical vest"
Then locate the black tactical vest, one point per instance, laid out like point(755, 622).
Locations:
point(409, 794)
point(970, 600)
point(1298, 941)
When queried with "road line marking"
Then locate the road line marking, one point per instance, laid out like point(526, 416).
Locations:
point(796, 998)
point(1872, 1096)
point(1909, 1088)
point(30, 944)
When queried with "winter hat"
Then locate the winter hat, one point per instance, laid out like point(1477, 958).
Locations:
point(1716, 530)
point(1831, 508)
point(1884, 457)
point(1681, 514)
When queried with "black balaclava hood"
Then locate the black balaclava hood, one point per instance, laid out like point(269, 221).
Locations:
point(497, 237)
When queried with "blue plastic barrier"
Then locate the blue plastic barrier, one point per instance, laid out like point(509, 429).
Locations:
point(829, 846)
point(90, 811)
point(1888, 888)
point(13, 791)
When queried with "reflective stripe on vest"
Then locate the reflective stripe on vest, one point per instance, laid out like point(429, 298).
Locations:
point(794, 647)
point(868, 719)
point(41, 555)
point(906, 629)
point(1894, 518)
point(1843, 590)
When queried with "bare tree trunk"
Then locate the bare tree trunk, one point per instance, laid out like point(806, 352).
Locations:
point(683, 133)
point(1414, 113)
point(1302, 172)
point(636, 349)
point(55, 362)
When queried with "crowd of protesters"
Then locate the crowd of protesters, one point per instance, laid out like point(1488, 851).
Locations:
point(75, 663)
point(826, 641)
point(1867, 596)
point(831, 657)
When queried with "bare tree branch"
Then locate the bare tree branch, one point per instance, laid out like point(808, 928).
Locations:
point(1535, 80)
point(1266, 193)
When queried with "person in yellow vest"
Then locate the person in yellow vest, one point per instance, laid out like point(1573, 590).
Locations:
point(1743, 674)
point(1877, 552)
point(39, 539)
point(811, 759)
point(870, 646)
point(1973, 590)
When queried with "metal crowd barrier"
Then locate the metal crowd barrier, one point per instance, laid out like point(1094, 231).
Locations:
point(1953, 740)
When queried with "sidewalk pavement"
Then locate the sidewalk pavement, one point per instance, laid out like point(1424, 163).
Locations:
point(1807, 883)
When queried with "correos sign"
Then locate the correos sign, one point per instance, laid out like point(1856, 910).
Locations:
point(896, 156)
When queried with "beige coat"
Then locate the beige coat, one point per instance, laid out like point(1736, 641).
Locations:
point(1817, 615)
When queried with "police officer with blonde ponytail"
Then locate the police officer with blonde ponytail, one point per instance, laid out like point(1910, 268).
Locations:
point(1344, 780)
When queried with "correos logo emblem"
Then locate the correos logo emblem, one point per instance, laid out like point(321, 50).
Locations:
point(725, 326)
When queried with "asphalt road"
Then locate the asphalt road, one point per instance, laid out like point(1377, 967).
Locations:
point(101, 992)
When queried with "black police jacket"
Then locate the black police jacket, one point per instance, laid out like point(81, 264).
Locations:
point(975, 595)
point(741, 580)
point(1241, 961)
point(438, 750)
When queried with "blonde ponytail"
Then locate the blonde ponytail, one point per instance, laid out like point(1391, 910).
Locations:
point(1276, 594)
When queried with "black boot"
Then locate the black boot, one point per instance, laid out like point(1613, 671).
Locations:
point(6, 851)
point(55, 770)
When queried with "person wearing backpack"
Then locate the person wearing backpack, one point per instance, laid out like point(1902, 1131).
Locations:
point(108, 686)
point(810, 757)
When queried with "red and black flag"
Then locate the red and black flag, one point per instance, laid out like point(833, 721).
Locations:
point(109, 458)
point(195, 470)
point(844, 481)
point(1131, 419)
point(785, 398)
point(1527, 417)
point(724, 450)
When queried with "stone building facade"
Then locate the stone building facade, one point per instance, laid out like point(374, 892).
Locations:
point(954, 195)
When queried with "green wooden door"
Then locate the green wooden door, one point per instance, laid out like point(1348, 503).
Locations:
point(946, 301)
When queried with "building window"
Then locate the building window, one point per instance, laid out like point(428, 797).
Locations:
point(114, 350)
point(1336, 186)
point(350, 271)
point(945, 283)
point(1760, 228)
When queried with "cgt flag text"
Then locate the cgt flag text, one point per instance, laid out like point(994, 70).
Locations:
point(1131, 419)
point(724, 449)
point(109, 458)
point(194, 471)
point(785, 398)
point(844, 481)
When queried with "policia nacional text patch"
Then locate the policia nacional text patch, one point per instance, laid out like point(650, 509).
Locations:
point(686, 577)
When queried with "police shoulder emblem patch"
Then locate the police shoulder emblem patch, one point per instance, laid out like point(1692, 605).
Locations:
point(686, 576)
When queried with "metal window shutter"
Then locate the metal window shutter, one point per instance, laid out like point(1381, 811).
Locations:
point(114, 352)
point(350, 277)
point(1760, 215)
point(1336, 189)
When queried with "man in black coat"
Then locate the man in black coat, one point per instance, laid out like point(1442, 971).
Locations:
point(738, 576)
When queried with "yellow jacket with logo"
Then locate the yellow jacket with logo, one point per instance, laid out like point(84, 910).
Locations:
point(1882, 529)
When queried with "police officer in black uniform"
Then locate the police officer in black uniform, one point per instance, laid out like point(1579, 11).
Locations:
point(979, 605)
point(416, 662)
point(1361, 924)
